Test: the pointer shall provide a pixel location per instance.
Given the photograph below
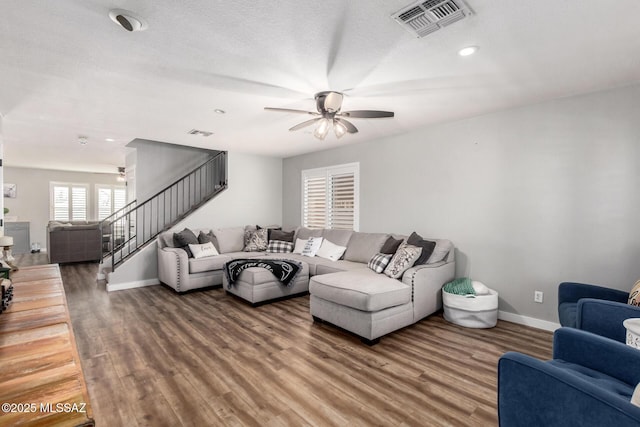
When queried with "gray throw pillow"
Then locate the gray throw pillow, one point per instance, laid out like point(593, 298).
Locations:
point(362, 246)
point(183, 239)
point(390, 246)
point(283, 236)
point(427, 247)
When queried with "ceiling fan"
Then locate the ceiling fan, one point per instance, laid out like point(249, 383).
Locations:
point(329, 104)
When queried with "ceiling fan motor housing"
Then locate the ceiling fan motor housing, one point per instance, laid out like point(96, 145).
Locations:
point(328, 102)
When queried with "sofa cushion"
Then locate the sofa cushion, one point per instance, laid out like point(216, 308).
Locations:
point(339, 237)
point(361, 289)
point(304, 233)
point(362, 246)
point(230, 239)
point(211, 263)
point(427, 247)
point(402, 260)
point(328, 267)
point(440, 252)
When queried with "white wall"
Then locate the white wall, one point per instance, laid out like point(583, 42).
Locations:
point(254, 196)
point(32, 201)
point(531, 196)
point(158, 165)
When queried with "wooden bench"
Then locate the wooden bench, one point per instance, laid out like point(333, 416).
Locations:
point(41, 380)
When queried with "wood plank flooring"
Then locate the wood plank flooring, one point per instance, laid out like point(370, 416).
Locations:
point(153, 358)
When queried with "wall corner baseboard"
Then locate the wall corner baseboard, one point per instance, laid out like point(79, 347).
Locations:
point(528, 321)
point(131, 285)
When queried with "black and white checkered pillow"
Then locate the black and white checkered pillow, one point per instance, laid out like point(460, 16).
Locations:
point(379, 262)
point(279, 247)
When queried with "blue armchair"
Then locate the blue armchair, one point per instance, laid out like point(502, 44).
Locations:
point(595, 309)
point(589, 382)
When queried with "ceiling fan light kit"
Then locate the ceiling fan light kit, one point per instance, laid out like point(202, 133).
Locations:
point(329, 104)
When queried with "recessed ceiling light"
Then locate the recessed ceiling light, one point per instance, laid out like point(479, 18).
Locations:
point(109, 139)
point(219, 111)
point(128, 20)
point(469, 50)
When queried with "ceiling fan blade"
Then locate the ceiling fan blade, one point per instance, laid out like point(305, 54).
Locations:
point(289, 110)
point(305, 124)
point(347, 124)
point(366, 114)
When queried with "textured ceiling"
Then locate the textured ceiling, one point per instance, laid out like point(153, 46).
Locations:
point(66, 70)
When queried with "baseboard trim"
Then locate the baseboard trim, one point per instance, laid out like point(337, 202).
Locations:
point(528, 321)
point(131, 285)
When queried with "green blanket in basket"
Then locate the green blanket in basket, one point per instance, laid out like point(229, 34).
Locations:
point(460, 286)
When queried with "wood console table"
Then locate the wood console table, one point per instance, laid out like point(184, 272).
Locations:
point(41, 380)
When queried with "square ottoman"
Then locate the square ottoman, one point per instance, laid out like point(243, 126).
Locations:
point(258, 285)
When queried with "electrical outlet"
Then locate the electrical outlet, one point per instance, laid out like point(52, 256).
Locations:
point(538, 296)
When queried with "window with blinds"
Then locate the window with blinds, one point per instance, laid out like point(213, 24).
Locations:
point(110, 200)
point(330, 197)
point(68, 202)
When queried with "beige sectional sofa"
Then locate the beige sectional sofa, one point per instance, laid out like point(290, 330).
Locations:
point(345, 293)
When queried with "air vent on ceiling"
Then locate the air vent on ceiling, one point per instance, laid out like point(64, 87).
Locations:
point(199, 132)
point(425, 17)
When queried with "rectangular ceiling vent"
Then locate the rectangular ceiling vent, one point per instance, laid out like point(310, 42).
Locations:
point(199, 132)
point(425, 17)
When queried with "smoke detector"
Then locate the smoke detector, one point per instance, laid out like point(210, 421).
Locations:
point(128, 20)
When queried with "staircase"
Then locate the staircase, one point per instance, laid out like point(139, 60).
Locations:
point(133, 227)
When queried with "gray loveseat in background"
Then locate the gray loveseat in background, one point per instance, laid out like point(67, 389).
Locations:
point(345, 292)
point(74, 241)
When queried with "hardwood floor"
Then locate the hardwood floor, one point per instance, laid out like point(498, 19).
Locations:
point(152, 357)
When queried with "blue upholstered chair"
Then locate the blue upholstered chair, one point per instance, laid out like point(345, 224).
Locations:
point(595, 309)
point(589, 382)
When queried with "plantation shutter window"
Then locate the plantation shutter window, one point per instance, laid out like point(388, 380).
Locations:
point(68, 202)
point(110, 200)
point(330, 197)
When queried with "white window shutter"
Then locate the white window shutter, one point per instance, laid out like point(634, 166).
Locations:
point(330, 197)
point(104, 203)
point(61, 203)
point(78, 203)
point(315, 202)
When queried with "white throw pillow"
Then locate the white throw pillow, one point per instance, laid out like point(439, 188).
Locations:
point(312, 246)
point(299, 247)
point(330, 250)
point(203, 250)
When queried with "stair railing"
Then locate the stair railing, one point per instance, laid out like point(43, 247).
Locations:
point(133, 228)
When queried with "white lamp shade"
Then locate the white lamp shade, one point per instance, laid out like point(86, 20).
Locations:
point(6, 241)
